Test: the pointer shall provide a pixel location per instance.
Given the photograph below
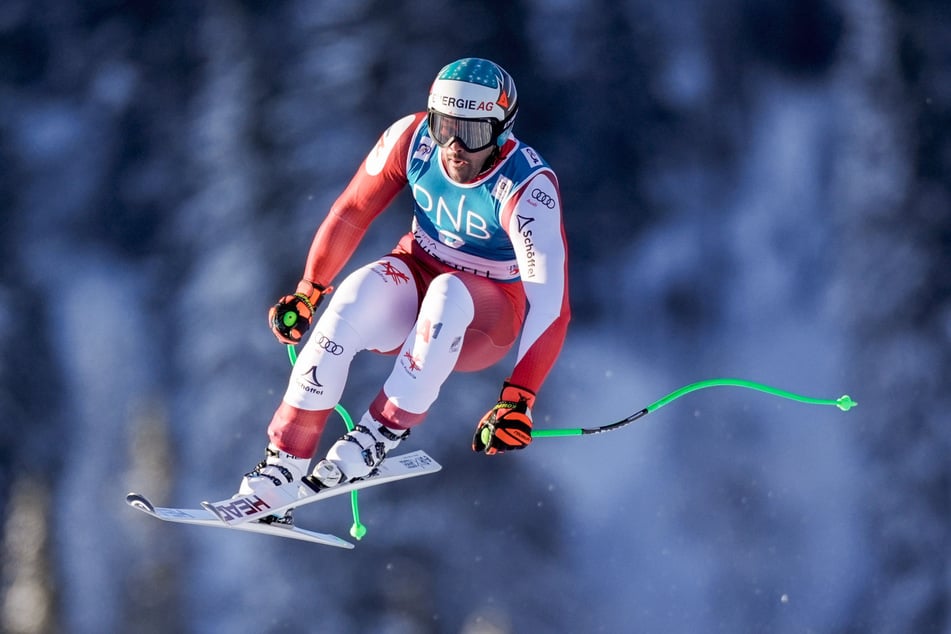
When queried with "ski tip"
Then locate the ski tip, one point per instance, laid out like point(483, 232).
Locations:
point(139, 501)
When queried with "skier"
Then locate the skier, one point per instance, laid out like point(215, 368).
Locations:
point(485, 260)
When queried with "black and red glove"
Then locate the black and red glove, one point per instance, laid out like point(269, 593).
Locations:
point(508, 425)
point(290, 317)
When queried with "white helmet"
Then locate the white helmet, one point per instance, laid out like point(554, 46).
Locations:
point(473, 101)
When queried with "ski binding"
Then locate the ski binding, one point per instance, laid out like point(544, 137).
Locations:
point(241, 509)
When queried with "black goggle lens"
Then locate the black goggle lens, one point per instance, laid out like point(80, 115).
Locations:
point(473, 134)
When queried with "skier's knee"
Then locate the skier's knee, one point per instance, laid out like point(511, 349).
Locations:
point(451, 292)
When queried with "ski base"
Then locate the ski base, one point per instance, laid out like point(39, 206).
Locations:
point(240, 510)
point(201, 517)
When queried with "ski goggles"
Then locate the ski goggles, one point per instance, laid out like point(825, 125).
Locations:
point(473, 134)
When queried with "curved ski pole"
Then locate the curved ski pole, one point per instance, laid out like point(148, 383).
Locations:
point(844, 403)
point(358, 530)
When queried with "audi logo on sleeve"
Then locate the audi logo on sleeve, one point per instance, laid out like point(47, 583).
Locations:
point(543, 198)
point(329, 345)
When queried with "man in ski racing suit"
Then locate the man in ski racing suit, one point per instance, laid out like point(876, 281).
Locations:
point(485, 260)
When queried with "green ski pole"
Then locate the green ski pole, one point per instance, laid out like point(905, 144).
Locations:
point(844, 403)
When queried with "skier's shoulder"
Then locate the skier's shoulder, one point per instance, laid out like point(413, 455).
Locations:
point(521, 160)
point(396, 144)
point(408, 124)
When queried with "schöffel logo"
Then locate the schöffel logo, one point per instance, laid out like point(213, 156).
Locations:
point(543, 198)
point(309, 382)
point(329, 345)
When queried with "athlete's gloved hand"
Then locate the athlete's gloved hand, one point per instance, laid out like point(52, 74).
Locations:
point(290, 317)
point(508, 425)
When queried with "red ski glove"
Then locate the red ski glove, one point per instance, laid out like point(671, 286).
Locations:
point(508, 425)
point(290, 317)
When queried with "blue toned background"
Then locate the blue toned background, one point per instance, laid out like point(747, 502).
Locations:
point(752, 188)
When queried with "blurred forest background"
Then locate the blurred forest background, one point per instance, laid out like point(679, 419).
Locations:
point(753, 188)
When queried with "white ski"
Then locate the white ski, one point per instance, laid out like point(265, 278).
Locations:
point(201, 517)
point(239, 511)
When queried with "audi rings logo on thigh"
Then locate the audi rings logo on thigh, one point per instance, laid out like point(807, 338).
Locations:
point(331, 346)
point(543, 198)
